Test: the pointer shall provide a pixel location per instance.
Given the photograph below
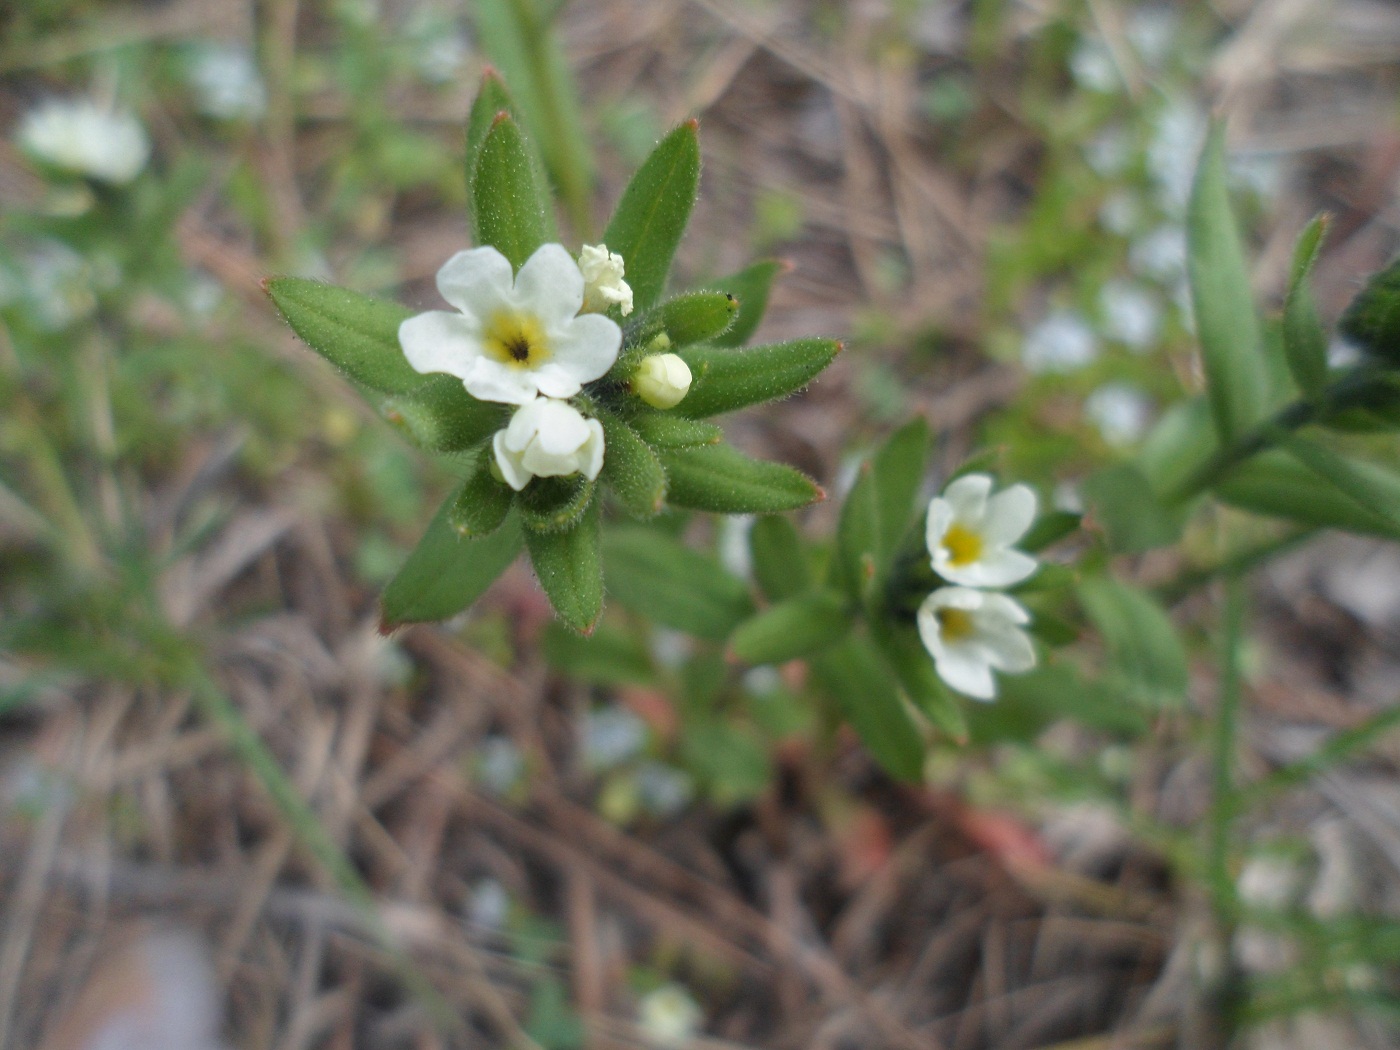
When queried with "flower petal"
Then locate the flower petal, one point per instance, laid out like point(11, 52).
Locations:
point(477, 281)
point(940, 517)
point(553, 380)
point(968, 497)
point(591, 455)
point(586, 346)
point(549, 285)
point(562, 429)
point(492, 381)
point(1009, 515)
point(439, 341)
point(962, 668)
point(517, 477)
point(1008, 648)
point(998, 567)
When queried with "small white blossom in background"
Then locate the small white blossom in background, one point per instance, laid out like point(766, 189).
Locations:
point(1093, 68)
point(1109, 152)
point(662, 790)
point(1152, 31)
point(1177, 138)
point(735, 553)
point(602, 276)
point(970, 532)
point(1120, 213)
point(970, 634)
point(77, 135)
point(548, 439)
point(662, 380)
point(59, 285)
point(226, 82)
point(1120, 411)
point(1131, 315)
point(515, 336)
point(610, 737)
point(489, 905)
point(499, 764)
point(1160, 254)
point(669, 1016)
point(1062, 342)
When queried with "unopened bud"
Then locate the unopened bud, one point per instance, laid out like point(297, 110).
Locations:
point(662, 380)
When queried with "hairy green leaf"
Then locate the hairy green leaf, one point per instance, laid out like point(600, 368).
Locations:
point(440, 416)
point(878, 512)
point(1304, 341)
point(661, 578)
point(482, 503)
point(726, 379)
point(779, 564)
point(569, 566)
point(1277, 485)
point(723, 480)
point(793, 628)
point(1146, 658)
point(856, 676)
point(668, 430)
point(510, 209)
point(751, 287)
point(631, 468)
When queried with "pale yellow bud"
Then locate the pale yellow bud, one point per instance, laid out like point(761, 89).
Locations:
point(662, 380)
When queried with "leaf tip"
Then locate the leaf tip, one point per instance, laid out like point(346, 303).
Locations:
point(693, 124)
point(501, 117)
point(820, 496)
point(266, 285)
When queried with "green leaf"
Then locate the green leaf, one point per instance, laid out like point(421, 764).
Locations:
point(1050, 528)
point(779, 564)
point(631, 468)
point(482, 503)
point(668, 430)
point(1304, 341)
point(1145, 655)
point(1121, 502)
point(695, 317)
point(1372, 321)
point(554, 504)
point(441, 416)
point(751, 287)
point(662, 579)
point(856, 676)
point(527, 50)
point(1369, 484)
point(1275, 484)
point(723, 480)
point(1224, 305)
point(725, 379)
point(913, 667)
point(1179, 445)
point(447, 572)
point(653, 212)
point(491, 100)
point(730, 760)
point(569, 566)
point(794, 628)
point(357, 334)
point(1027, 703)
point(879, 510)
point(611, 657)
point(510, 209)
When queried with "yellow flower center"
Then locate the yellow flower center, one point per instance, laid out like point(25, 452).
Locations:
point(955, 624)
point(962, 544)
point(517, 340)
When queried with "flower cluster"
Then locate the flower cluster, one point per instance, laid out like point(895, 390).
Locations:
point(533, 339)
point(968, 627)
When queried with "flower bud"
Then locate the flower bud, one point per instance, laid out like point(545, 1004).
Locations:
point(662, 380)
point(548, 438)
point(602, 280)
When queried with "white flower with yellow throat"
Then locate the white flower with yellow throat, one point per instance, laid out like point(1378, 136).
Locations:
point(971, 532)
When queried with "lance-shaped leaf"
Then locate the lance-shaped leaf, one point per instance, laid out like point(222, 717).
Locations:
point(726, 379)
point(492, 99)
point(1146, 658)
point(1369, 484)
point(878, 511)
point(658, 577)
point(1304, 341)
point(510, 208)
point(902, 649)
point(779, 564)
point(723, 480)
point(569, 566)
point(1122, 504)
point(482, 503)
point(611, 656)
point(1277, 485)
point(691, 318)
point(357, 334)
point(631, 468)
point(440, 416)
point(751, 287)
point(1372, 320)
point(793, 628)
point(1236, 379)
point(668, 430)
point(856, 676)
point(653, 212)
point(555, 504)
point(447, 572)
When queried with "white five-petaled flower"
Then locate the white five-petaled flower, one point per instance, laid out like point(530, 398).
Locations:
point(78, 135)
point(662, 380)
point(546, 439)
point(972, 633)
point(602, 280)
point(971, 532)
point(513, 337)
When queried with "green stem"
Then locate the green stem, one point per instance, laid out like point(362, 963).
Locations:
point(1223, 806)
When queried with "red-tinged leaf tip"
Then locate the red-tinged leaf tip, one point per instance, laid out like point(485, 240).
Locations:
point(500, 118)
point(266, 285)
point(693, 123)
point(387, 629)
point(821, 494)
point(840, 346)
point(785, 267)
point(490, 72)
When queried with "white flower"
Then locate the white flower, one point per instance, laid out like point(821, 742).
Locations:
point(1120, 411)
point(662, 380)
point(669, 1016)
point(1131, 315)
point(226, 82)
point(80, 136)
point(602, 276)
point(548, 439)
point(970, 532)
point(972, 633)
point(515, 337)
point(1062, 342)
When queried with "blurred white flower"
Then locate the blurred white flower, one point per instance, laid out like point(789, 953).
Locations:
point(1152, 31)
point(226, 82)
point(78, 135)
point(972, 633)
point(735, 554)
point(611, 736)
point(1160, 254)
point(669, 1016)
point(1131, 315)
point(1173, 151)
point(1120, 213)
point(58, 285)
point(499, 764)
point(1093, 68)
point(602, 279)
point(662, 790)
point(1120, 411)
point(547, 438)
point(489, 905)
point(970, 532)
point(1062, 342)
point(1260, 173)
point(515, 335)
point(662, 380)
point(1109, 152)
